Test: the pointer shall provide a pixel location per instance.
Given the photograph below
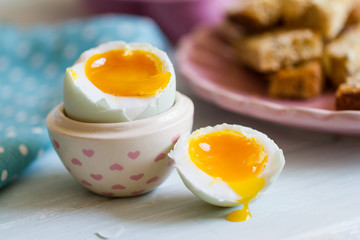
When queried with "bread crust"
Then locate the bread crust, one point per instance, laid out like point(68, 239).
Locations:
point(354, 16)
point(348, 96)
point(274, 50)
point(326, 16)
point(341, 57)
point(301, 82)
point(256, 14)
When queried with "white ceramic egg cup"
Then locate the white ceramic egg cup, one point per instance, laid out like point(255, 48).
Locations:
point(120, 159)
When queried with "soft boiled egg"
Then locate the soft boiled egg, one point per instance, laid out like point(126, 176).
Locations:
point(118, 82)
point(228, 165)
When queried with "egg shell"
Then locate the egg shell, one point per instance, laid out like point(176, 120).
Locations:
point(85, 102)
point(218, 192)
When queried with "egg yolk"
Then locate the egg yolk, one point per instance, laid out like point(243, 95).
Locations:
point(128, 73)
point(230, 156)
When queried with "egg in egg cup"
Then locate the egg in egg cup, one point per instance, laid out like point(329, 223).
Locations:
point(120, 118)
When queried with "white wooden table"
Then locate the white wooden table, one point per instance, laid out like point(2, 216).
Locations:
point(317, 196)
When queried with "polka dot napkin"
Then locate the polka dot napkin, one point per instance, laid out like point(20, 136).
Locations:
point(32, 68)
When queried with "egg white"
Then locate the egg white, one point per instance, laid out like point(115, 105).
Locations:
point(84, 102)
point(215, 191)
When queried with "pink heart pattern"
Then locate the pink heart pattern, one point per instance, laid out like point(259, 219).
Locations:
point(88, 152)
point(170, 163)
point(159, 157)
point(118, 187)
point(134, 155)
point(175, 138)
point(153, 179)
point(115, 189)
point(86, 183)
point(138, 192)
point(97, 177)
point(56, 144)
point(136, 177)
point(76, 161)
point(116, 167)
point(108, 194)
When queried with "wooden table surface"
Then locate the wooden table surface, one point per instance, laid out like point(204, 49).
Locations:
point(317, 196)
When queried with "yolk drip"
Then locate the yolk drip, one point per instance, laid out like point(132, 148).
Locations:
point(232, 157)
point(128, 73)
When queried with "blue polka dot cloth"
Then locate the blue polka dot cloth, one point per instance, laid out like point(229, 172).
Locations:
point(32, 68)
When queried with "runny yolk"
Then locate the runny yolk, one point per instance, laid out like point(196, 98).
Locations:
point(127, 73)
point(230, 156)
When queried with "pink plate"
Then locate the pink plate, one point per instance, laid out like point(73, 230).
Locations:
point(209, 66)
